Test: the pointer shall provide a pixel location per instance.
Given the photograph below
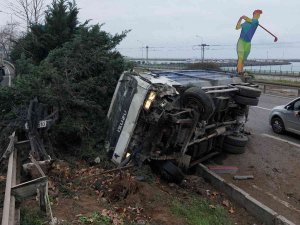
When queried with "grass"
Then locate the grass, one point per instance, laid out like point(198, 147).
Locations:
point(95, 219)
point(200, 212)
point(65, 190)
point(32, 217)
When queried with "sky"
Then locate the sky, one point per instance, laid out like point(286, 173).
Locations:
point(174, 28)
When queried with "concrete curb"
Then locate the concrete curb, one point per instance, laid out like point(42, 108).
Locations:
point(253, 206)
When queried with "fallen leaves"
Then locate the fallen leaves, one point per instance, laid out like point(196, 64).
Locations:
point(2, 178)
point(212, 206)
point(226, 203)
point(231, 210)
point(112, 190)
point(114, 217)
point(219, 197)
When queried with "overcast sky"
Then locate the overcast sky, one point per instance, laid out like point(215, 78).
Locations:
point(172, 28)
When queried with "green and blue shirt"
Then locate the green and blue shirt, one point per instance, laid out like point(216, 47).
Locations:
point(248, 30)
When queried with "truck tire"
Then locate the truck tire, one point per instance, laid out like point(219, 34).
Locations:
point(233, 149)
point(196, 98)
point(241, 140)
point(245, 100)
point(171, 173)
point(277, 125)
point(248, 91)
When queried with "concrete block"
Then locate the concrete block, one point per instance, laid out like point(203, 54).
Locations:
point(213, 178)
point(280, 220)
point(253, 206)
point(260, 211)
point(235, 193)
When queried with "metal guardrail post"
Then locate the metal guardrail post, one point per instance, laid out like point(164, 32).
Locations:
point(13, 189)
point(264, 85)
point(10, 215)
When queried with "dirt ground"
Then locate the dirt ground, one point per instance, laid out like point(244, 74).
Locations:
point(274, 165)
point(126, 197)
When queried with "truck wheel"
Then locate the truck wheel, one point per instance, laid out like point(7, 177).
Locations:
point(196, 98)
point(277, 125)
point(241, 140)
point(171, 173)
point(245, 100)
point(233, 148)
point(248, 91)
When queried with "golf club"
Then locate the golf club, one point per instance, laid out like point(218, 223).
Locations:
point(276, 39)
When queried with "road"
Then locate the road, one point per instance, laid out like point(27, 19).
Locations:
point(9, 74)
point(272, 160)
point(259, 117)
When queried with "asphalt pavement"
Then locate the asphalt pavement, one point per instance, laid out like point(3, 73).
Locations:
point(259, 118)
point(271, 159)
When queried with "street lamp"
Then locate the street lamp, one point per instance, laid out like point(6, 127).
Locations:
point(142, 48)
point(198, 36)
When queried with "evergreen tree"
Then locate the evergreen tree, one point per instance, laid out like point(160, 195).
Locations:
point(60, 25)
point(71, 67)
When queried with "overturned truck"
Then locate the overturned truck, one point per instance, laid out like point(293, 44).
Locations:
point(178, 119)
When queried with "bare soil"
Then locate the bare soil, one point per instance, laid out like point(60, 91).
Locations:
point(274, 165)
point(141, 202)
point(125, 198)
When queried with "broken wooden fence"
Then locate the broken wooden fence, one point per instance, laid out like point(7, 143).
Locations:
point(16, 191)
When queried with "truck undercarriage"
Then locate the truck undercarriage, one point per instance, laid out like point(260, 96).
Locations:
point(181, 123)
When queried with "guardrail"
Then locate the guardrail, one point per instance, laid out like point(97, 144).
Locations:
point(265, 84)
point(11, 214)
point(162, 66)
point(10, 64)
point(16, 190)
point(265, 72)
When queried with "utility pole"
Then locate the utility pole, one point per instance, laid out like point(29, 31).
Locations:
point(202, 51)
point(147, 51)
point(141, 48)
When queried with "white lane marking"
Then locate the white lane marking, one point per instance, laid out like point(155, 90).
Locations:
point(283, 140)
point(286, 204)
point(261, 108)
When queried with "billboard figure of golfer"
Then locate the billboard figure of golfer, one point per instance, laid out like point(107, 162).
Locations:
point(244, 42)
